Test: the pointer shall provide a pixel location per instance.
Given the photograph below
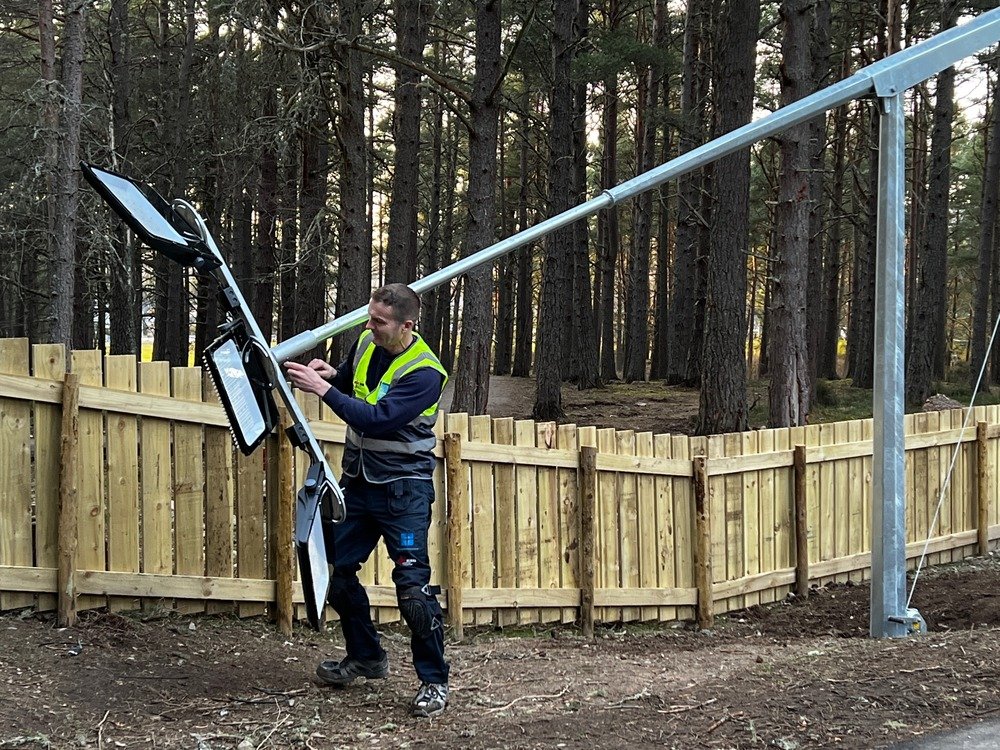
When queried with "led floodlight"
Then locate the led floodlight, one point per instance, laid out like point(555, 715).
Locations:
point(151, 217)
point(240, 376)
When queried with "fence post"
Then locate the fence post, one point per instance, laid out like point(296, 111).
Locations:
point(703, 545)
point(284, 529)
point(68, 538)
point(801, 523)
point(983, 487)
point(457, 515)
point(588, 501)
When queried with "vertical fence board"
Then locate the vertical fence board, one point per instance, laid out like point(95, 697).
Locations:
point(49, 362)
point(735, 523)
point(437, 533)
point(505, 492)
point(868, 432)
point(856, 491)
point(92, 553)
point(842, 500)
point(549, 568)
point(567, 438)
point(683, 447)
point(607, 560)
point(483, 518)
point(123, 477)
point(751, 516)
point(15, 473)
point(459, 424)
point(827, 501)
point(628, 522)
point(648, 519)
point(250, 524)
point(766, 531)
point(189, 485)
point(219, 505)
point(156, 469)
point(666, 541)
point(527, 519)
point(937, 467)
point(814, 490)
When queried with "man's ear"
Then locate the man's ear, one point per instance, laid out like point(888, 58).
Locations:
point(408, 325)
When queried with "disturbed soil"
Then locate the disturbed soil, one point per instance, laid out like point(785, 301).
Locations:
point(796, 674)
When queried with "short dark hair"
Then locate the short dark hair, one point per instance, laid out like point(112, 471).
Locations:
point(404, 301)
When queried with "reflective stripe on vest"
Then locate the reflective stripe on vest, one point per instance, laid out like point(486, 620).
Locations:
point(407, 452)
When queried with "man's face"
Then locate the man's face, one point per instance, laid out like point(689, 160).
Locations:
point(386, 330)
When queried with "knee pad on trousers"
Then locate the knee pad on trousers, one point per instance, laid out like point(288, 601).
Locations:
point(420, 609)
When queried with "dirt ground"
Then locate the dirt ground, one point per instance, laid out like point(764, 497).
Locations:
point(797, 674)
point(643, 407)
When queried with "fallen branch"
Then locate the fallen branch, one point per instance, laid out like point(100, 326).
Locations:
point(560, 694)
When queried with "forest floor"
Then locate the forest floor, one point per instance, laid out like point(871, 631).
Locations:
point(790, 675)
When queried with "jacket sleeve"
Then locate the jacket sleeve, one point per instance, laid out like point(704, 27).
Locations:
point(409, 396)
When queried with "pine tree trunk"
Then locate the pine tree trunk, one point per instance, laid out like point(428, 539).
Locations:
point(610, 231)
point(524, 302)
point(723, 401)
point(411, 19)
point(556, 281)
point(981, 320)
point(681, 326)
point(68, 173)
point(472, 377)
point(788, 355)
point(354, 275)
point(926, 361)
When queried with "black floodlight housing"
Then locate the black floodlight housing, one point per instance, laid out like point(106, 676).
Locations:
point(150, 216)
point(242, 379)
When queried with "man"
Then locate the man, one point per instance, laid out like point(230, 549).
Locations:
point(387, 391)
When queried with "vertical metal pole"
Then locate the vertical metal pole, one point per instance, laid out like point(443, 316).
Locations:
point(889, 501)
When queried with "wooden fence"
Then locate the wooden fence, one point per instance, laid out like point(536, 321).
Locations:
point(534, 523)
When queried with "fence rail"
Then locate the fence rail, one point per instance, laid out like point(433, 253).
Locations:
point(139, 500)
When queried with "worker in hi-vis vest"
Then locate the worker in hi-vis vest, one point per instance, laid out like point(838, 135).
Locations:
point(387, 391)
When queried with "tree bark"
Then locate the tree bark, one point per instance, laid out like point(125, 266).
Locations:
point(723, 400)
point(789, 388)
point(411, 18)
point(68, 173)
point(556, 281)
point(987, 231)
point(472, 377)
point(926, 361)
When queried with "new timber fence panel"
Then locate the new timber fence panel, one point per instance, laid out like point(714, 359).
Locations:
point(91, 552)
point(152, 458)
point(549, 567)
point(628, 522)
point(567, 439)
point(251, 541)
point(855, 488)
point(607, 558)
point(682, 448)
point(15, 473)
point(527, 518)
point(157, 474)
point(48, 363)
point(505, 493)
point(459, 424)
point(751, 516)
point(189, 485)
point(648, 533)
point(483, 518)
point(122, 437)
point(666, 533)
point(219, 501)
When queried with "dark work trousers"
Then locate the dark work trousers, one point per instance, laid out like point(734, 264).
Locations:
point(400, 513)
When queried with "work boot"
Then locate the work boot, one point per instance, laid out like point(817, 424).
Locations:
point(430, 699)
point(346, 671)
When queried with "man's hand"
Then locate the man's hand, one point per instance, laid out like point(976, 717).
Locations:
point(308, 378)
point(325, 369)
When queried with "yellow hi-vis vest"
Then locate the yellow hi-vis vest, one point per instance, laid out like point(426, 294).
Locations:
point(404, 453)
